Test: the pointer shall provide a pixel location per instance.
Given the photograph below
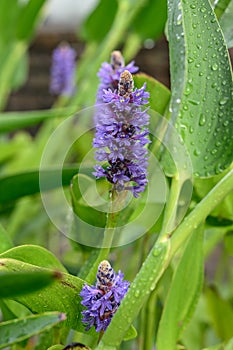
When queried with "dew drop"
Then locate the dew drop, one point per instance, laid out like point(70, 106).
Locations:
point(214, 66)
point(137, 293)
point(223, 101)
point(214, 151)
point(188, 89)
point(226, 123)
point(191, 130)
point(194, 102)
point(156, 251)
point(202, 119)
point(193, 6)
point(197, 152)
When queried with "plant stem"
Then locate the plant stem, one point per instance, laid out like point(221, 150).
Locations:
point(156, 263)
point(115, 203)
point(171, 206)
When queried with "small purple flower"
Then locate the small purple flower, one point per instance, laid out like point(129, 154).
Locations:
point(103, 299)
point(121, 136)
point(63, 70)
point(109, 74)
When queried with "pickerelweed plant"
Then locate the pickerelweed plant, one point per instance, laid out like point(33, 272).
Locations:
point(154, 189)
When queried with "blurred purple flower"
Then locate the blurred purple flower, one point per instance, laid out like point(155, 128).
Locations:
point(103, 299)
point(109, 74)
point(63, 70)
point(121, 136)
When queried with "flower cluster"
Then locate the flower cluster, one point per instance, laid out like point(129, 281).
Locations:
point(121, 136)
point(109, 74)
point(63, 70)
point(103, 299)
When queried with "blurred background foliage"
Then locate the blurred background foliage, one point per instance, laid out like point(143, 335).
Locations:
point(135, 27)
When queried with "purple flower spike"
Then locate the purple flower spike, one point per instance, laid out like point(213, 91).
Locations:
point(103, 299)
point(63, 70)
point(121, 136)
point(109, 74)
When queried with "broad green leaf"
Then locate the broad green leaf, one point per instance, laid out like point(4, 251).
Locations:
point(226, 24)
point(12, 332)
point(145, 25)
point(183, 294)
point(201, 103)
point(10, 121)
point(224, 210)
point(13, 54)
point(34, 255)
point(28, 18)
point(21, 73)
point(62, 295)
point(56, 347)
point(159, 94)
point(228, 242)
point(221, 314)
point(13, 187)
point(20, 283)
point(8, 17)
point(220, 6)
point(229, 345)
point(131, 333)
point(80, 206)
point(5, 241)
point(97, 25)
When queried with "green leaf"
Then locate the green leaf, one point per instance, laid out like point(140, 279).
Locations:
point(131, 333)
point(220, 7)
point(183, 294)
point(62, 295)
point(97, 25)
point(228, 242)
point(201, 103)
point(5, 240)
point(224, 210)
point(215, 347)
point(145, 25)
point(34, 255)
point(28, 18)
point(221, 314)
point(226, 24)
point(21, 73)
point(87, 212)
point(10, 121)
point(229, 345)
point(19, 283)
point(12, 332)
point(159, 94)
point(13, 187)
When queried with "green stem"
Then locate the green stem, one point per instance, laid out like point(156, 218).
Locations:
point(156, 263)
point(171, 206)
point(114, 204)
point(150, 323)
point(8, 69)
